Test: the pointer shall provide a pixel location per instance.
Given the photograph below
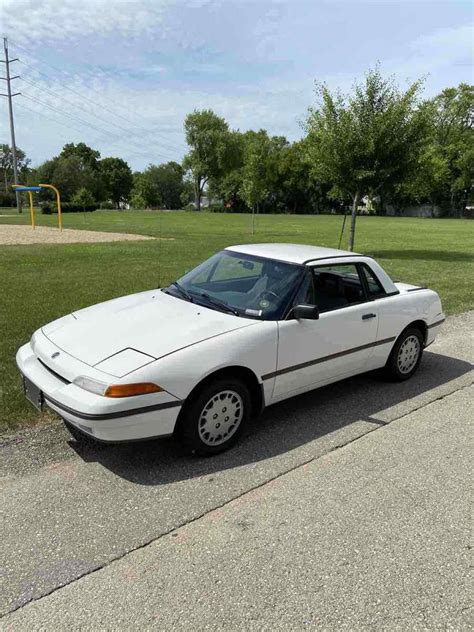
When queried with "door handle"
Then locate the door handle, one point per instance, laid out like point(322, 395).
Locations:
point(367, 316)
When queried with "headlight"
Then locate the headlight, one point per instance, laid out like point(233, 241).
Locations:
point(116, 390)
point(89, 384)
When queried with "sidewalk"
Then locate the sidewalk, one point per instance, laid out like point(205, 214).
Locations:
point(373, 535)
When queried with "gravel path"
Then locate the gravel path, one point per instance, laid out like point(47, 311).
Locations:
point(25, 235)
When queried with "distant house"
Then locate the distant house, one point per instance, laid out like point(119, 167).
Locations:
point(205, 203)
point(415, 210)
point(419, 210)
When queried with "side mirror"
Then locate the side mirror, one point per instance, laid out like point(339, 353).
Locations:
point(306, 312)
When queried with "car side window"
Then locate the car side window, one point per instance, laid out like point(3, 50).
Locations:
point(337, 286)
point(305, 294)
point(374, 287)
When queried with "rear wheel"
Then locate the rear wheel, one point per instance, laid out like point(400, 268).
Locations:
point(215, 418)
point(406, 355)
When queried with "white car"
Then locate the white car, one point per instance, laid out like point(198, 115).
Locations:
point(249, 327)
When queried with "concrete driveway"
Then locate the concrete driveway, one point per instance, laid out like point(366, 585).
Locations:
point(345, 507)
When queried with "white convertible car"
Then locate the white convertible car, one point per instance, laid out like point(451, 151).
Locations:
point(249, 327)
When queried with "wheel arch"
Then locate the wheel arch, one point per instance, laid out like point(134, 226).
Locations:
point(243, 373)
point(418, 324)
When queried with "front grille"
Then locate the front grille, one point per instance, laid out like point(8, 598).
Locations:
point(56, 375)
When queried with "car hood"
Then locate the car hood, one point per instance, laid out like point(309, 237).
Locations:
point(150, 325)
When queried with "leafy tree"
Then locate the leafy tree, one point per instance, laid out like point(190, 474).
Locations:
point(211, 154)
point(263, 174)
point(255, 171)
point(160, 185)
point(137, 200)
point(117, 179)
point(187, 193)
point(76, 167)
point(296, 190)
point(7, 195)
point(69, 175)
point(448, 161)
point(83, 198)
point(87, 156)
point(367, 141)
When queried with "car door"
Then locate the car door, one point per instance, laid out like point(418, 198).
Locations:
point(339, 343)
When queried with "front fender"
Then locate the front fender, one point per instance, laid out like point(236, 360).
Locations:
point(253, 347)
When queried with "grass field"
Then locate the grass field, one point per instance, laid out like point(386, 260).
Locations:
point(41, 282)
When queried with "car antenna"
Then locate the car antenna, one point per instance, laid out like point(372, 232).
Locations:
point(159, 246)
point(342, 229)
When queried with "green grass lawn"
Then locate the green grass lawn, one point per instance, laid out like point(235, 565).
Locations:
point(39, 283)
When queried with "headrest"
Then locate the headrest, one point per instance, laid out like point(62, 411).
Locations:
point(274, 270)
point(329, 283)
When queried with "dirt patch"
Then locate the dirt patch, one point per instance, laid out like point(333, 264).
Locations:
point(24, 235)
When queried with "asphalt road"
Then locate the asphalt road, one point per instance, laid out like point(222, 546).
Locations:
point(286, 531)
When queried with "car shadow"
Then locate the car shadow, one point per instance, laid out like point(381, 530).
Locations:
point(281, 428)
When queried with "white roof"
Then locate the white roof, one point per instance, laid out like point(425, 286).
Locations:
point(292, 253)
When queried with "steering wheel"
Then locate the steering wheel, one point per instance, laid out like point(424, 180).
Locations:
point(268, 295)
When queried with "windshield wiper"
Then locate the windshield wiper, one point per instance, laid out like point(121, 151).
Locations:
point(181, 290)
point(219, 304)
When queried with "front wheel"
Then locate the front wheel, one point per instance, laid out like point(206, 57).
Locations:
point(215, 418)
point(406, 355)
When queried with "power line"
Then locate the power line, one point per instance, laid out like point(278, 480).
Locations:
point(106, 135)
point(61, 112)
point(109, 109)
point(75, 105)
point(22, 106)
point(118, 140)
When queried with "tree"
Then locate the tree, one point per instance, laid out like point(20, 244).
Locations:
point(117, 179)
point(255, 173)
point(83, 198)
point(211, 154)
point(367, 141)
point(449, 158)
point(160, 185)
point(76, 167)
point(6, 167)
point(86, 155)
point(69, 175)
point(296, 190)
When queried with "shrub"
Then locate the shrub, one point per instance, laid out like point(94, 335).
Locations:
point(7, 199)
point(66, 207)
point(107, 206)
point(71, 207)
point(137, 201)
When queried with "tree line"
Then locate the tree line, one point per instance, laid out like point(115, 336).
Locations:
point(378, 145)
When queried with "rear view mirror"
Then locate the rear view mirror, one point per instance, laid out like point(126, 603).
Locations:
point(306, 312)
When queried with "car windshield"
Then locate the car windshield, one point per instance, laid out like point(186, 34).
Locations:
point(249, 286)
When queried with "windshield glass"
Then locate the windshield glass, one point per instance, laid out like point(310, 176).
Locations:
point(247, 285)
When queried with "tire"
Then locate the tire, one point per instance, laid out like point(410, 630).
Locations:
point(215, 417)
point(405, 356)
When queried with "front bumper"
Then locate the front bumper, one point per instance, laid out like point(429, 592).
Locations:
point(105, 419)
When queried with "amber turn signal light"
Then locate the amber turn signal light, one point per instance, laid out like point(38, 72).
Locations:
point(129, 390)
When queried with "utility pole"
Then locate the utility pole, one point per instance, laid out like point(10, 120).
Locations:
point(10, 96)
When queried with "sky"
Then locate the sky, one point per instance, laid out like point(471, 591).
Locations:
point(122, 75)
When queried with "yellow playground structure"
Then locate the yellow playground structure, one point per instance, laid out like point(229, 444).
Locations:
point(40, 187)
